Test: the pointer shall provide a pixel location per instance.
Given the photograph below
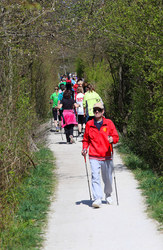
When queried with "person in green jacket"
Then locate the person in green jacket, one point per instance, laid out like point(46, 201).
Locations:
point(90, 98)
point(62, 83)
point(54, 101)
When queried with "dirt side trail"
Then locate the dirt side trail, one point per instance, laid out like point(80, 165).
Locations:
point(74, 225)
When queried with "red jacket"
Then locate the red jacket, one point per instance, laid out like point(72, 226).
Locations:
point(97, 141)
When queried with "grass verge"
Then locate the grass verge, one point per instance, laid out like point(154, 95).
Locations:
point(24, 226)
point(149, 182)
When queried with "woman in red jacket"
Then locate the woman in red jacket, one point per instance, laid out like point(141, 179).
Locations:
point(99, 135)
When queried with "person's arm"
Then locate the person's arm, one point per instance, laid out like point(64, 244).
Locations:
point(60, 104)
point(113, 136)
point(84, 109)
point(76, 105)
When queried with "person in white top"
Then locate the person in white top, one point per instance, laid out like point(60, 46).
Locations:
point(80, 110)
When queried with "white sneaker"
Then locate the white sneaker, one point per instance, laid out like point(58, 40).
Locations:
point(96, 203)
point(109, 200)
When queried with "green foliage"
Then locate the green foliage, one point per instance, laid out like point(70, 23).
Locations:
point(99, 75)
point(133, 162)
point(23, 226)
point(25, 83)
point(79, 67)
point(127, 35)
point(152, 187)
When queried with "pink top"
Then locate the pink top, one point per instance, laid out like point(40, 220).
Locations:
point(68, 118)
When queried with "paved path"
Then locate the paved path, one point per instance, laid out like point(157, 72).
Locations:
point(74, 225)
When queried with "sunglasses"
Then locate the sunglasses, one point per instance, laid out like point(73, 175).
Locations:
point(97, 109)
point(56, 89)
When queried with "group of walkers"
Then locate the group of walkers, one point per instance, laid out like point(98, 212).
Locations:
point(76, 103)
point(73, 102)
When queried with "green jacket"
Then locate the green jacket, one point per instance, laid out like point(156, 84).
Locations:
point(54, 97)
point(90, 98)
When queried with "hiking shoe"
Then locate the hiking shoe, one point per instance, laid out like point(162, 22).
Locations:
point(109, 200)
point(71, 139)
point(57, 129)
point(97, 203)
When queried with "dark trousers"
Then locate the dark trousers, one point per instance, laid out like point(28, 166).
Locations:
point(69, 131)
point(55, 114)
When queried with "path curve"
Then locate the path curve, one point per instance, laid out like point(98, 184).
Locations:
point(74, 225)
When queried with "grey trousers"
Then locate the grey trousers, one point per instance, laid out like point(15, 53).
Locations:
point(106, 169)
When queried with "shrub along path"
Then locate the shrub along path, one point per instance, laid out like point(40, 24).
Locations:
point(74, 225)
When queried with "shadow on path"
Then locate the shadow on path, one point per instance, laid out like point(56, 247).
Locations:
point(61, 142)
point(87, 202)
point(84, 202)
point(120, 167)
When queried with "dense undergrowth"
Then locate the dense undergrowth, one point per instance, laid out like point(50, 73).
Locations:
point(149, 181)
point(26, 205)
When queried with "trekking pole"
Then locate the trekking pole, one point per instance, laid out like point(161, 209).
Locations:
point(87, 177)
point(115, 183)
point(77, 127)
